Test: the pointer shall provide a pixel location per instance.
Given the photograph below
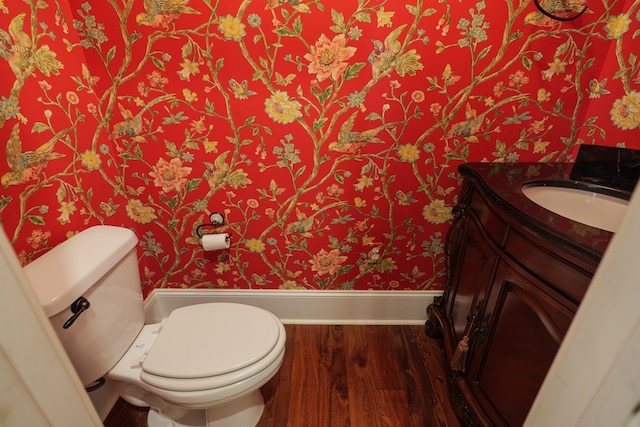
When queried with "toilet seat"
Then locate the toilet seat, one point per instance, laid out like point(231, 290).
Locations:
point(208, 346)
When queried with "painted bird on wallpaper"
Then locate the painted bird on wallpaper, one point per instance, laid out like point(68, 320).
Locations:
point(350, 141)
point(384, 54)
point(163, 13)
point(25, 165)
point(131, 126)
point(466, 128)
point(563, 9)
point(15, 46)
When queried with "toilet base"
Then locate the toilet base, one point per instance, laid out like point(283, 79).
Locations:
point(244, 412)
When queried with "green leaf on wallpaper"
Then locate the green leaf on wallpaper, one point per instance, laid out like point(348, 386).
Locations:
point(526, 62)
point(452, 155)
point(61, 193)
point(284, 32)
point(342, 219)
point(344, 269)
point(176, 118)
point(219, 64)
point(319, 123)
point(338, 178)
point(338, 19)
point(209, 107)
point(386, 265)
point(193, 184)
point(158, 63)
point(588, 63)
point(363, 17)
point(562, 49)
point(353, 70)
point(558, 107)
point(297, 26)
point(300, 171)
point(412, 9)
point(36, 219)
point(39, 127)
point(172, 150)
point(484, 52)
point(429, 12)
point(111, 54)
point(238, 179)
point(322, 96)
point(172, 224)
point(549, 157)
point(186, 50)
point(249, 120)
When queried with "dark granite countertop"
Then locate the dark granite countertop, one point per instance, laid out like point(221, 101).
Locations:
point(502, 182)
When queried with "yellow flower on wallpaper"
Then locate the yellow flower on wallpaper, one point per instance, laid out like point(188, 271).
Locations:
point(384, 18)
point(189, 96)
point(617, 26)
point(90, 159)
point(66, 209)
point(625, 113)
point(281, 109)
point(328, 58)
point(140, 213)
point(290, 284)
point(170, 175)
point(255, 245)
point(408, 153)
point(189, 68)
point(437, 212)
point(231, 28)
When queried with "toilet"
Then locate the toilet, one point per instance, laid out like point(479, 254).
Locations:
point(201, 366)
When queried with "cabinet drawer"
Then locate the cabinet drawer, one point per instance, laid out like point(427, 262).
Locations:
point(564, 277)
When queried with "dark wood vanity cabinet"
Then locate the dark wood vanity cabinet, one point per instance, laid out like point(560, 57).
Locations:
point(512, 292)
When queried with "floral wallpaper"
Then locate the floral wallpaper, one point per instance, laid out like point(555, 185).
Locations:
point(327, 133)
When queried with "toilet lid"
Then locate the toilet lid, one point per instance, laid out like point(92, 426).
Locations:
point(207, 340)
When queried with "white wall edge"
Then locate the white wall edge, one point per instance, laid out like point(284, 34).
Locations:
point(305, 307)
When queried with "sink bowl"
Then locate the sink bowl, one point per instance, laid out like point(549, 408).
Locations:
point(586, 204)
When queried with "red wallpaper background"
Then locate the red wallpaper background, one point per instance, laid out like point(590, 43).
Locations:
point(327, 133)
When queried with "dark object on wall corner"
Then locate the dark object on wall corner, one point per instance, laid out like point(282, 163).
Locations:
point(612, 167)
point(559, 18)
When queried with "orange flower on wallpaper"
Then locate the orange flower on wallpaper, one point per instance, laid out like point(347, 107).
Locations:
point(328, 57)
point(327, 262)
point(170, 175)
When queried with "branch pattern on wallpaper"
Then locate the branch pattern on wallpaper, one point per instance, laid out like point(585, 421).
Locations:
point(328, 134)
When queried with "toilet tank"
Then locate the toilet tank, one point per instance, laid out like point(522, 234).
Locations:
point(101, 265)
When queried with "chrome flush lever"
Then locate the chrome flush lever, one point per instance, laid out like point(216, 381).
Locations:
point(77, 308)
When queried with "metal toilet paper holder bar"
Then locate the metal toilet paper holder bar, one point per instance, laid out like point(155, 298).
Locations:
point(216, 220)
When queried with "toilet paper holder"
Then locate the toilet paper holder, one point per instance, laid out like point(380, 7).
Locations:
point(215, 220)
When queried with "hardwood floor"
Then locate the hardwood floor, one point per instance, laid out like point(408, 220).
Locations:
point(356, 376)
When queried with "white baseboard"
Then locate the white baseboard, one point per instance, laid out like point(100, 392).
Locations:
point(305, 307)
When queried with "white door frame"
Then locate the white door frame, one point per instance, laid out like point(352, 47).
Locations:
point(38, 385)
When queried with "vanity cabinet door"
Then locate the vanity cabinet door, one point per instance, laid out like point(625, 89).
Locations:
point(523, 331)
point(473, 270)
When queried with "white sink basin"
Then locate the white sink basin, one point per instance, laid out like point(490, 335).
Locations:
point(582, 205)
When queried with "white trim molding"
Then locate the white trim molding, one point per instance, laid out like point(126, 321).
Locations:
point(305, 307)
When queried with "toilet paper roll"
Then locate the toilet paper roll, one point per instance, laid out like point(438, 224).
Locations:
point(215, 242)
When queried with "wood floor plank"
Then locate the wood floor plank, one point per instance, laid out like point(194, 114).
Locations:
point(277, 391)
point(318, 395)
point(348, 376)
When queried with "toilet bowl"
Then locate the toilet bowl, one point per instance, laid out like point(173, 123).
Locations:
point(201, 366)
point(219, 370)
